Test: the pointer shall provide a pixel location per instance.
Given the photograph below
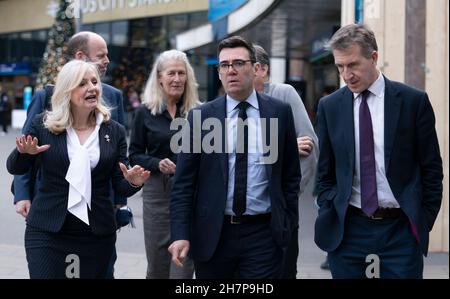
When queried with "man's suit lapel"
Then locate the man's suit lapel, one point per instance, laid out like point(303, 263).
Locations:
point(347, 119)
point(392, 107)
point(266, 113)
point(220, 109)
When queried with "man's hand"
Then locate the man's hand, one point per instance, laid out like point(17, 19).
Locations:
point(305, 145)
point(23, 207)
point(179, 250)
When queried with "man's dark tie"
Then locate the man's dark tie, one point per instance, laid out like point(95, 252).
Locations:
point(240, 171)
point(369, 197)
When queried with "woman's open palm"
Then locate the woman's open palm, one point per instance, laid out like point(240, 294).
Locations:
point(29, 145)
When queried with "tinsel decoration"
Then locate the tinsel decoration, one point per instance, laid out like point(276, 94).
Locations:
point(55, 52)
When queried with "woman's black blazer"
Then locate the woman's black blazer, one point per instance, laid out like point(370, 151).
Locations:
point(49, 208)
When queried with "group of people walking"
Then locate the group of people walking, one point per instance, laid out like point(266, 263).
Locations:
point(230, 212)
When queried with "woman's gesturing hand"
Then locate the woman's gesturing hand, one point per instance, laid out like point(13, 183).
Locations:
point(29, 145)
point(135, 175)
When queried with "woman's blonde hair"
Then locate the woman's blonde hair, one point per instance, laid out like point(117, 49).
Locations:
point(72, 73)
point(153, 96)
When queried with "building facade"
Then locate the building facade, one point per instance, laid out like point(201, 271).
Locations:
point(136, 31)
point(412, 37)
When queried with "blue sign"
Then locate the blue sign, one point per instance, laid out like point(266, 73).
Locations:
point(18, 68)
point(27, 97)
point(211, 60)
point(220, 8)
point(359, 10)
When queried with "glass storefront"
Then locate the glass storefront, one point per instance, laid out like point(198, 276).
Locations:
point(287, 31)
point(132, 44)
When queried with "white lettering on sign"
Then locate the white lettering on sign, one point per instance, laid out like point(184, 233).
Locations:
point(92, 6)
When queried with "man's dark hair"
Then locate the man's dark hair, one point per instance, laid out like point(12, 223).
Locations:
point(237, 42)
point(78, 42)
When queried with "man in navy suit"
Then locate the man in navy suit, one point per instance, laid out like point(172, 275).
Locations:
point(87, 46)
point(232, 209)
point(379, 179)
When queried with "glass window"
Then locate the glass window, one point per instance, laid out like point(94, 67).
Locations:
point(15, 47)
point(103, 30)
point(197, 19)
point(4, 48)
point(40, 35)
point(26, 50)
point(87, 27)
point(25, 35)
point(141, 30)
point(119, 33)
point(177, 23)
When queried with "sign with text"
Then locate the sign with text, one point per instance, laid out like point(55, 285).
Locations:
point(40, 14)
point(18, 68)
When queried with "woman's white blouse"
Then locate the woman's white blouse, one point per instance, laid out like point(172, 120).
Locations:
point(83, 158)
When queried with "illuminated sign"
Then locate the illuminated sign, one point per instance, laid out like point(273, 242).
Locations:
point(18, 68)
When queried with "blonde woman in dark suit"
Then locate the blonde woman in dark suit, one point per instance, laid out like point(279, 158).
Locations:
point(71, 228)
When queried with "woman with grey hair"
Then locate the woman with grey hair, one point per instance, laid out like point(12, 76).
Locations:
point(170, 93)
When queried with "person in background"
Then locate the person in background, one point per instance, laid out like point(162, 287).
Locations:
point(72, 216)
point(4, 111)
point(86, 46)
point(306, 140)
point(380, 174)
point(132, 102)
point(170, 92)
